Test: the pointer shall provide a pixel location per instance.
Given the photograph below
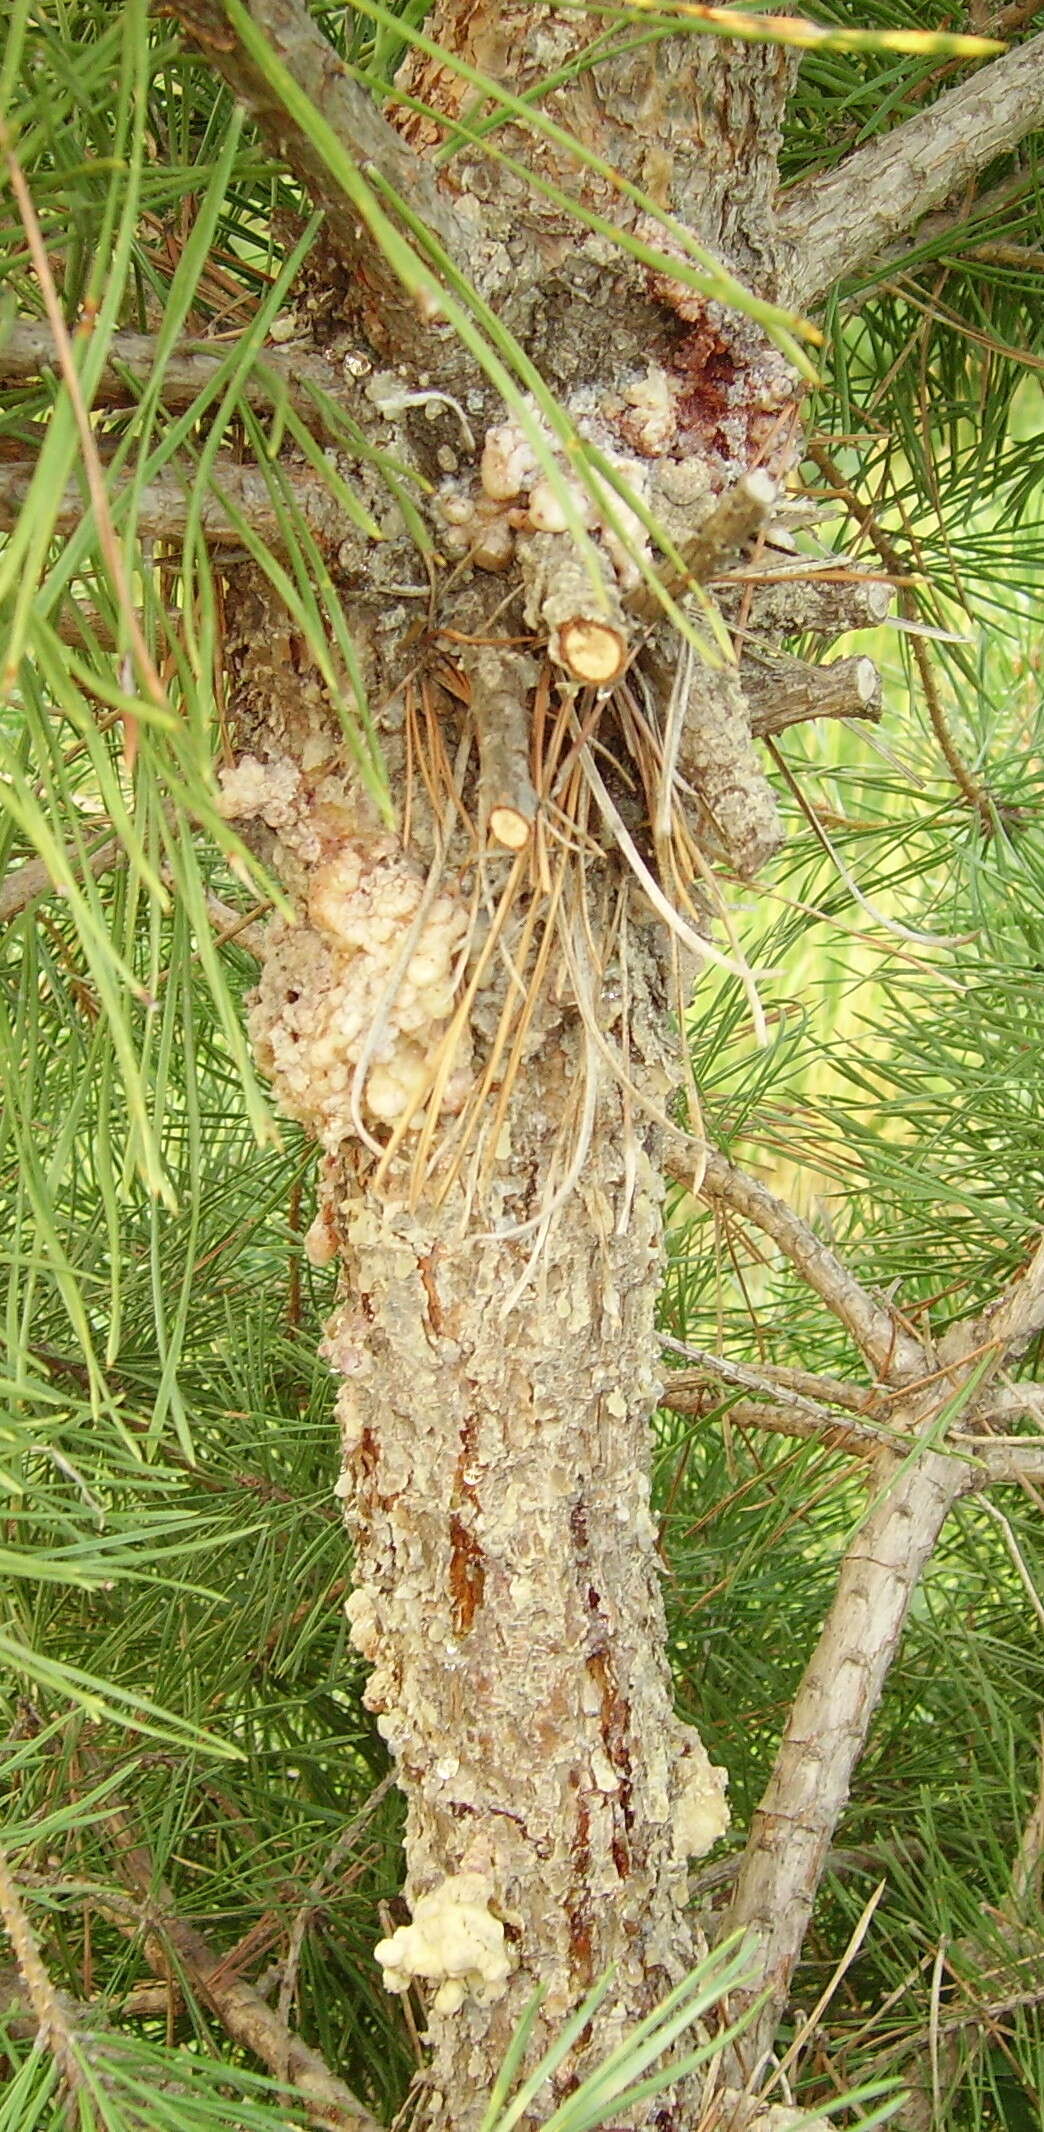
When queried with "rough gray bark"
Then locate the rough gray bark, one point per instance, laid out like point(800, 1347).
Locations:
point(164, 505)
point(27, 351)
point(468, 1023)
point(836, 224)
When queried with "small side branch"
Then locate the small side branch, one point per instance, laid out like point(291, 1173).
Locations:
point(839, 222)
point(28, 351)
point(502, 684)
point(733, 520)
point(243, 2013)
point(163, 504)
point(988, 1463)
point(27, 882)
point(831, 1714)
point(795, 597)
point(786, 692)
point(53, 2026)
point(299, 47)
point(585, 625)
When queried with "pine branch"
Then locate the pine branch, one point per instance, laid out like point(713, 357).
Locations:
point(27, 882)
point(243, 2013)
point(874, 1326)
point(1012, 1321)
point(831, 1714)
point(236, 494)
point(27, 351)
point(734, 519)
point(54, 2027)
point(989, 1464)
point(975, 794)
point(840, 221)
point(222, 30)
point(787, 692)
point(829, 1722)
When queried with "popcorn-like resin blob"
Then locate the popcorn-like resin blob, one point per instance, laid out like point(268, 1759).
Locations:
point(701, 1813)
point(328, 992)
point(455, 1938)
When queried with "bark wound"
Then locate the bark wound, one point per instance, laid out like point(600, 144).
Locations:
point(578, 1904)
point(467, 1571)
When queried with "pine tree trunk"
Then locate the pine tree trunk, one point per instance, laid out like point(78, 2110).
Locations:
point(500, 1261)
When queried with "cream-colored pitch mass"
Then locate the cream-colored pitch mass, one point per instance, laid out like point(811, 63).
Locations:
point(362, 987)
point(454, 1937)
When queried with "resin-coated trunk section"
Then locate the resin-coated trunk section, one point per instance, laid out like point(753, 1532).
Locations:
point(507, 1595)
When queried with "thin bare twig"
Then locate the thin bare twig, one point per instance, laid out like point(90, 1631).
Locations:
point(55, 2030)
point(241, 2010)
point(976, 794)
point(34, 878)
point(92, 465)
point(299, 376)
point(163, 504)
point(988, 1463)
point(895, 1355)
point(331, 1864)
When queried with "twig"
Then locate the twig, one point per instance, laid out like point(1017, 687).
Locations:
point(733, 520)
point(297, 375)
point(1026, 1871)
point(808, 1393)
point(331, 1865)
point(583, 620)
point(778, 1418)
point(92, 466)
point(989, 1464)
point(241, 2010)
point(893, 1352)
point(55, 2031)
point(839, 1692)
point(297, 47)
point(1018, 1560)
point(786, 692)
point(502, 683)
point(34, 878)
point(976, 794)
point(162, 505)
point(839, 221)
